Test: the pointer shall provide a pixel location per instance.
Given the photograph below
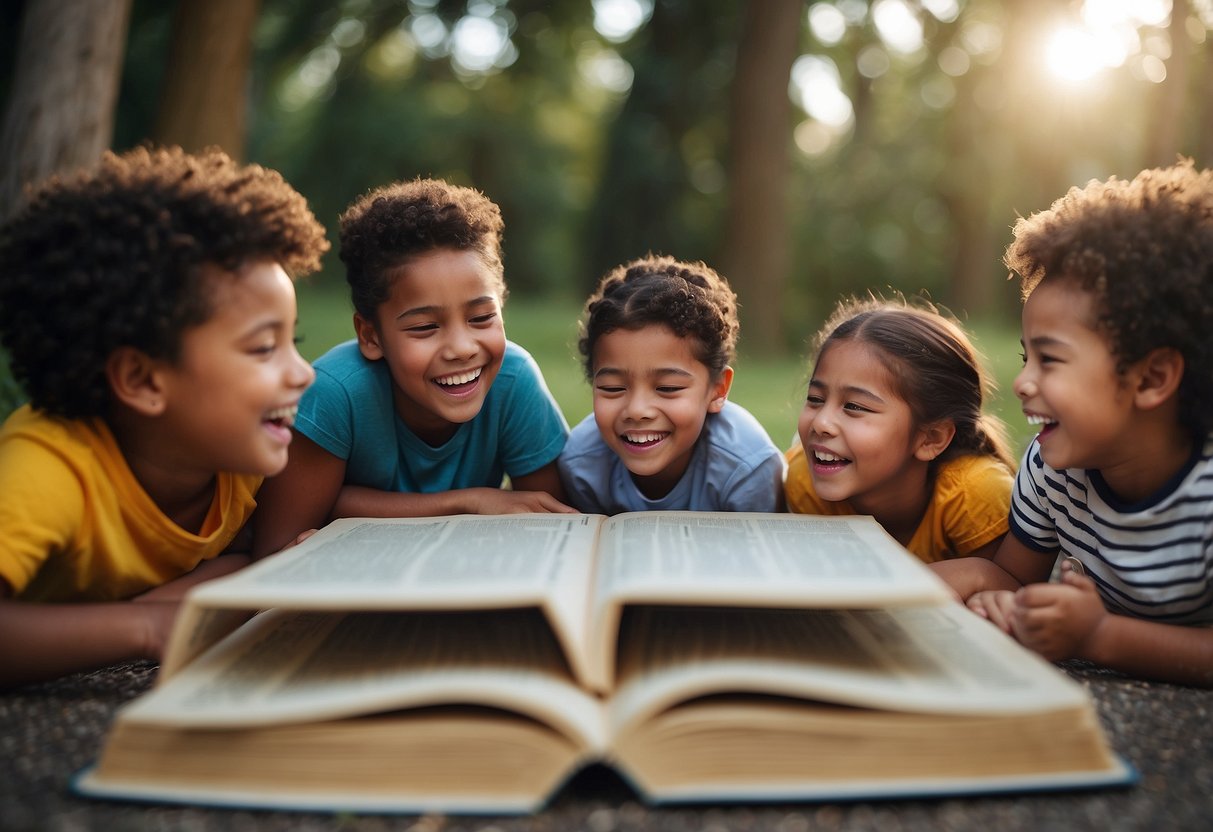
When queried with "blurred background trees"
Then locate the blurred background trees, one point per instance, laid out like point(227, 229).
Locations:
point(807, 149)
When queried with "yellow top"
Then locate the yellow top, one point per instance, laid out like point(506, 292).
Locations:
point(75, 524)
point(968, 509)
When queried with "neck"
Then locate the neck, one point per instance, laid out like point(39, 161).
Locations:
point(1158, 452)
point(183, 494)
point(899, 509)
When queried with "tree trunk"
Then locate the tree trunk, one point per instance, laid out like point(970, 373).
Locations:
point(756, 255)
point(60, 113)
point(205, 93)
point(1164, 137)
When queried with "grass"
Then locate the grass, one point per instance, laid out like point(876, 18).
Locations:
point(770, 388)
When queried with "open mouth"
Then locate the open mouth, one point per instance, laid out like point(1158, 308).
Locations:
point(643, 440)
point(1045, 423)
point(826, 461)
point(459, 382)
point(282, 417)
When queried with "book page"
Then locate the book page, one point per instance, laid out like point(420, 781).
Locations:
point(759, 560)
point(941, 659)
point(287, 667)
point(457, 562)
point(411, 563)
point(744, 559)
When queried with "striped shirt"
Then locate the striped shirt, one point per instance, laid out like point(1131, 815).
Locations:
point(1151, 559)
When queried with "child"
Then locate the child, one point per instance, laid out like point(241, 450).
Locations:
point(148, 310)
point(1118, 373)
point(657, 337)
point(430, 407)
point(893, 427)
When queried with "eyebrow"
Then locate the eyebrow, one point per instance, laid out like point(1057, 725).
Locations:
point(433, 309)
point(659, 371)
point(1045, 341)
point(849, 390)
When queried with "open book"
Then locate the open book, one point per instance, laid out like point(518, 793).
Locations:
point(472, 664)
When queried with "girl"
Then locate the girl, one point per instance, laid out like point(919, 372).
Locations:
point(430, 406)
point(657, 337)
point(893, 427)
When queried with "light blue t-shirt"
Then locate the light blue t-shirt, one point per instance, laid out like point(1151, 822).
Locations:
point(349, 411)
point(735, 467)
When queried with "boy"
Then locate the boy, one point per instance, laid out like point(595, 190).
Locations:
point(148, 312)
point(657, 338)
point(430, 406)
point(1118, 372)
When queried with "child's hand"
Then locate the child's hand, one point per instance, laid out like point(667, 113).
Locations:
point(157, 624)
point(995, 605)
point(1060, 620)
point(501, 501)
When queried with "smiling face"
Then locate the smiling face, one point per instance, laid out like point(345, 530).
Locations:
point(859, 435)
point(441, 334)
point(651, 398)
point(230, 399)
point(1069, 384)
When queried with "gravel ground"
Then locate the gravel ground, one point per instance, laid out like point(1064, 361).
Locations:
point(48, 732)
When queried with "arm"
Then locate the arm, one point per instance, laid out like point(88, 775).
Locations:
point(1068, 620)
point(1011, 567)
point(531, 493)
point(39, 642)
point(300, 498)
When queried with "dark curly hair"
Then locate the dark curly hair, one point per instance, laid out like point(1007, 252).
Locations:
point(934, 367)
point(388, 227)
point(110, 257)
point(689, 298)
point(1143, 250)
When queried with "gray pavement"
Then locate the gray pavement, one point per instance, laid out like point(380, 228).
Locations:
point(48, 732)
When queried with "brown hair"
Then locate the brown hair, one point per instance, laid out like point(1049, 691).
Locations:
point(1143, 249)
point(935, 368)
point(690, 298)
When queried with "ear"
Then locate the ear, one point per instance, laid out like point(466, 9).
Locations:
point(135, 380)
point(1158, 376)
point(720, 390)
point(368, 338)
point(933, 439)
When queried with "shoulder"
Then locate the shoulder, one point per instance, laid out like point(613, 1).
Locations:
point(33, 434)
point(973, 471)
point(585, 440)
point(345, 362)
point(517, 362)
point(735, 432)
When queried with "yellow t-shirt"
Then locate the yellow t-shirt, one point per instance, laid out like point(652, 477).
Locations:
point(75, 525)
point(968, 509)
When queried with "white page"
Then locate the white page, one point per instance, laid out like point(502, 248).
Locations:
point(759, 559)
point(417, 563)
point(303, 666)
point(941, 659)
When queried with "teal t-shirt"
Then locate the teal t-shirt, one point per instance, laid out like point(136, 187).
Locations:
point(349, 411)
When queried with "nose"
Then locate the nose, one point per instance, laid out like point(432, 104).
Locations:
point(460, 344)
point(1024, 384)
point(299, 373)
point(820, 420)
point(638, 407)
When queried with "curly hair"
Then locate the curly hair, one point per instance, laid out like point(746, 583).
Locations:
point(111, 257)
point(690, 298)
point(934, 367)
point(1143, 250)
point(388, 227)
